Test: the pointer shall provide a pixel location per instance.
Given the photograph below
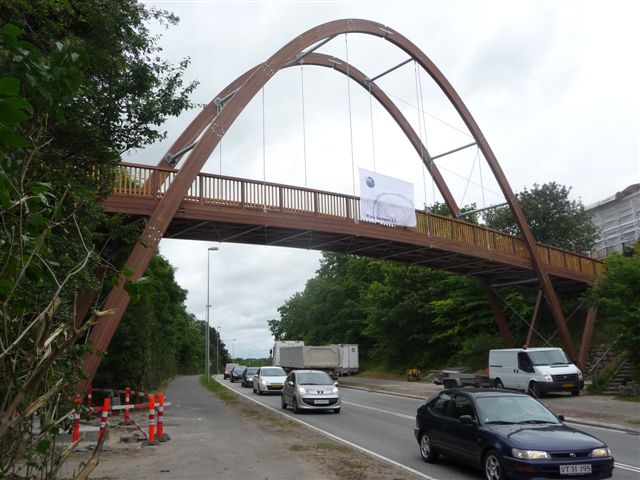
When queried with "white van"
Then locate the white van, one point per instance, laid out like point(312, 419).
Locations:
point(534, 370)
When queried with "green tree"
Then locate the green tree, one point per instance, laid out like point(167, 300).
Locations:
point(617, 297)
point(553, 218)
point(80, 84)
point(157, 338)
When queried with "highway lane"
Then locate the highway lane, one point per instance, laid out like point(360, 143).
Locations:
point(383, 424)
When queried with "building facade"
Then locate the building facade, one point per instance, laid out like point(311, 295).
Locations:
point(618, 221)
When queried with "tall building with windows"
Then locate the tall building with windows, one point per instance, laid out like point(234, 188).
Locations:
point(617, 219)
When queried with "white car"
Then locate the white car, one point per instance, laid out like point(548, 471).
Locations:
point(268, 380)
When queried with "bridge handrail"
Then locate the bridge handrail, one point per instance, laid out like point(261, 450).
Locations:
point(146, 180)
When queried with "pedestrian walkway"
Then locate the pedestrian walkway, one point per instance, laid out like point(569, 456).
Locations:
point(599, 410)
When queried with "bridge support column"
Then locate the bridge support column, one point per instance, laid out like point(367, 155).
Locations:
point(118, 300)
point(587, 335)
point(500, 317)
point(535, 318)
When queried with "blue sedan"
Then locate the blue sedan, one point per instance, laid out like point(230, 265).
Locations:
point(507, 435)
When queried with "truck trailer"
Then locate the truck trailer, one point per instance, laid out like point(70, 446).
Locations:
point(349, 358)
point(310, 357)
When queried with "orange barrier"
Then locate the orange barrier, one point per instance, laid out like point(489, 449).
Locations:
point(127, 420)
point(89, 396)
point(106, 407)
point(75, 436)
point(163, 437)
point(152, 423)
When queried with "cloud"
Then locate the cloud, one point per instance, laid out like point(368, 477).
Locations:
point(552, 85)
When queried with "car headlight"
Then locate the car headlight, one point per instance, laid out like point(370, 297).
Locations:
point(302, 390)
point(601, 452)
point(548, 377)
point(579, 375)
point(530, 454)
point(264, 381)
point(335, 390)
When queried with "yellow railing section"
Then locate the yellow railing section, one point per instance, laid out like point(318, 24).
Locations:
point(134, 179)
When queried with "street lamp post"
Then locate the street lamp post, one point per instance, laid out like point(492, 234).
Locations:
point(206, 338)
point(233, 349)
point(217, 347)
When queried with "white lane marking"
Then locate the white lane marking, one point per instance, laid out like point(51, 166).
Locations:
point(632, 468)
point(381, 410)
point(596, 427)
point(334, 437)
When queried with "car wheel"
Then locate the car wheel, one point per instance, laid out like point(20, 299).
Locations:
point(283, 404)
point(427, 451)
point(259, 391)
point(575, 393)
point(498, 384)
point(294, 406)
point(493, 468)
point(534, 390)
point(336, 410)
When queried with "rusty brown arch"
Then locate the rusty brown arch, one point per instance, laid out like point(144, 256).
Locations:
point(250, 83)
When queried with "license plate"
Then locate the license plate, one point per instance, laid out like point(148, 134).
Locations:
point(569, 385)
point(276, 387)
point(322, 402)
point(575, 469)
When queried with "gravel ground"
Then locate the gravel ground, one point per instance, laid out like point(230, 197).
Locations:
point(232, 439)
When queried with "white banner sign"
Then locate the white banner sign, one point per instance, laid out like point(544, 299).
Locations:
point(386, 200)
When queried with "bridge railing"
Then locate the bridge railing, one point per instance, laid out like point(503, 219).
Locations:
point(140, 180)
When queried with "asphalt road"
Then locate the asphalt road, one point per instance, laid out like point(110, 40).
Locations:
point(383, 424)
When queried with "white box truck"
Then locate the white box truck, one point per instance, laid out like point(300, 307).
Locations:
point(349, 358)
point(534, 370)
point(275, 352)
point(312, 357)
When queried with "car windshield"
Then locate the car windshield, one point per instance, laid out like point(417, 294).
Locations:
point(518, 409)
point(548, 357)
point(314, 378)
point(239, 369)
point(251, 371)
point(272, 372)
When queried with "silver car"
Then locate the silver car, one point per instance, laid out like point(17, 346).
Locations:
point(268, 380)
point(310, 390)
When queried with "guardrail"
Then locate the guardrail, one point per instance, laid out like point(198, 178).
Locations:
point(141, 180)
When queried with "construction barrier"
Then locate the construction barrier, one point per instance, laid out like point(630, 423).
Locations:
point(163, 437)
point(106, 407)
point(152, 440)
point(127, 420)
point(75, 436)
point(89, 397)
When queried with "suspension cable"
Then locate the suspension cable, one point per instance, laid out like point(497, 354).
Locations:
point(421, 113)
point(220, 145)
point(304, 130)
point(422, 166)
point(473, 166)
point(373, 145)
point(353, 167)
point(264, 157)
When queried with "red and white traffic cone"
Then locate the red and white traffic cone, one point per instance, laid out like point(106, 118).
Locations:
point(163, 437)
point(152, 440)
point(89, 398)
point(75, 436)
point(106, 406)
point(127, 397)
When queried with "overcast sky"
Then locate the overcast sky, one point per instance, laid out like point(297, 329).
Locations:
point(553, 86)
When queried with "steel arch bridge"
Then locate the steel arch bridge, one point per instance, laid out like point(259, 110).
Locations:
point(187, 204)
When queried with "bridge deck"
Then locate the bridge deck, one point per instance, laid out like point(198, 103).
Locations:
point(227, 209)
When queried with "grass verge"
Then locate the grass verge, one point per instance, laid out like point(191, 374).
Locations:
point(222, 393)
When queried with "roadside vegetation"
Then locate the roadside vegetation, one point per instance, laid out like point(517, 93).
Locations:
point(414, 317)
point(80, 84)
